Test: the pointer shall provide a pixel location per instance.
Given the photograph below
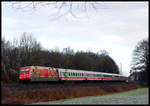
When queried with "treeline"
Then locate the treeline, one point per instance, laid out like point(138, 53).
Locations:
point(26, 51)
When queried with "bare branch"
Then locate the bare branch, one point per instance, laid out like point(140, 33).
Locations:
point(68, 7)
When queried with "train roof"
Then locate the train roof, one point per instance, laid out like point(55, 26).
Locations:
point(39, 67)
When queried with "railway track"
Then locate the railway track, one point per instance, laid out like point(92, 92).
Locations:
point(45, 85)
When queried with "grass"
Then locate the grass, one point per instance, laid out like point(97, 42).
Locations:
point(53, 94)
point(137, 96)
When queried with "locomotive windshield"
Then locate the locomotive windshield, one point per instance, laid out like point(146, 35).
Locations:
point(25, 70)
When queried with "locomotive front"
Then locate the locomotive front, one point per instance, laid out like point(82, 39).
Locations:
point(24, 73)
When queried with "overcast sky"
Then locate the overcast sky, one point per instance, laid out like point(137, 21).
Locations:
point(115, 27)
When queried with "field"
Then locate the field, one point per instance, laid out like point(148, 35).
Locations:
point(54, 94)
point(137, 96)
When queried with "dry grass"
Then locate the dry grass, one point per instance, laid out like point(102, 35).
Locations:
point(52, 94)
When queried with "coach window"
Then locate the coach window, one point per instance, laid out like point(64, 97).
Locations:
point(89, 75)
point(94, 75)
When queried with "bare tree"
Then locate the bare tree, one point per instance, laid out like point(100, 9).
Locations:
point(27, 45)
point(60, 9)
point(140, 60)
point(103, 53)
point(140, 56)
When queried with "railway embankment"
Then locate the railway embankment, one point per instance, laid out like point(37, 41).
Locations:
point(58, 93)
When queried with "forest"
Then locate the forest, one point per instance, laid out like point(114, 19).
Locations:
point(27, 51)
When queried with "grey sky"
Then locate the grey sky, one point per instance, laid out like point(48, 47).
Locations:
point(116, 27)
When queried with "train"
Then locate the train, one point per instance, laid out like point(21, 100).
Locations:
point(42, 73)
